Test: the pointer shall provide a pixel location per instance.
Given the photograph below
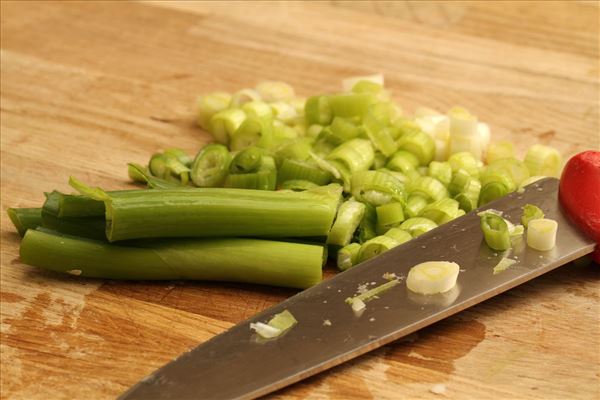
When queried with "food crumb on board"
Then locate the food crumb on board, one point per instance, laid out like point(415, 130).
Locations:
point(438, 388)
point(326, 322)
point(75, 272)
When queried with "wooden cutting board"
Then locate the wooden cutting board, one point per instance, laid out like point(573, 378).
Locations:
point(88, 87)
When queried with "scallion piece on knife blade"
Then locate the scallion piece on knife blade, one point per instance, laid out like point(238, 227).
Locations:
point(495, 231)
point(347, 256)
point(276, 326)
point(25, 218)
point(232, 260)
point(432, 277)
point(531, 212)
point(373, 293)
point(541, 234)
point(349, 215)
point(204, 212)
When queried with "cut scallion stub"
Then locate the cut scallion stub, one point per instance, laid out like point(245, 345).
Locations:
point(541, 234)
point(25, 218)
point(531, 212)
point(495, 231)
point(543, 160)
point(211, 166)
point(232, 260)
point(205, 212)
point(348, 218)
point(432, 277)
point(347, 256)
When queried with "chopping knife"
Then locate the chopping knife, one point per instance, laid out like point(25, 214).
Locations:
point(238, 364)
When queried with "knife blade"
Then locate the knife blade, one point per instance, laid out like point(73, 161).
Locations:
point(237, 364)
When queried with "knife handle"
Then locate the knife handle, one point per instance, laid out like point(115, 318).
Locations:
point(579, 194)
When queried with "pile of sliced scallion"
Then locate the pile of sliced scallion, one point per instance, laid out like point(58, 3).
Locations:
point(287, 179)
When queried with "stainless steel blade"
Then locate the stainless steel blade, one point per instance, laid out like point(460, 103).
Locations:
point(238, 365)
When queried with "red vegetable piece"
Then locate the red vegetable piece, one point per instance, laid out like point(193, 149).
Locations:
point(579, 194)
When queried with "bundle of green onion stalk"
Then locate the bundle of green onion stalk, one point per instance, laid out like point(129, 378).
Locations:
point(287, 181)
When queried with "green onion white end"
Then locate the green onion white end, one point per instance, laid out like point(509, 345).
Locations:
point(432, 277)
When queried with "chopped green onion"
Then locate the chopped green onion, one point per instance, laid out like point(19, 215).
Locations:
point(355, 155)
point(465, 161)
point(88, 227)
point(399, 235)
point(531, 212)
point(543, 160)
point(134, 173)
point(530, 180)
point(271, 91)
point(495, 231)
point(374, 247)
point(511, 167)
point(284, 112)
point(253, 132)
point(168, 167)
point(541, 234)
point(231, 260)
point(211, 104)
point(499, 150)
point(403, 161)
point(347, 256)
point(152, 181)
point(377, 188)
point(317, 110)
point(379, 161)
point(349, 83)
point(432, 277)
point(69, 205)
point(418, 226)
point(441, 211)
point(180, 155)
point(258, 109)
point(299, 170)
point(351, 105)
point(388, 216)
point(343, 129)
point(264, 178)
point(224, 124)
point(244, 96)
point(25, 218)
point(298, 185)
point(279, 324)
point(429, 188)
point(349, 215)
point(462, 123)
point(420, 144)
point(415, 205)
point(442, 171)
point(211, 166)
point(367, 228)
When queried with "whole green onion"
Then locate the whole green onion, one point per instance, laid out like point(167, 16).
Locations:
point(216, 212)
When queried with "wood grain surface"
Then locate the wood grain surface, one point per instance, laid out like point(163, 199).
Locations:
point(88, 87)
